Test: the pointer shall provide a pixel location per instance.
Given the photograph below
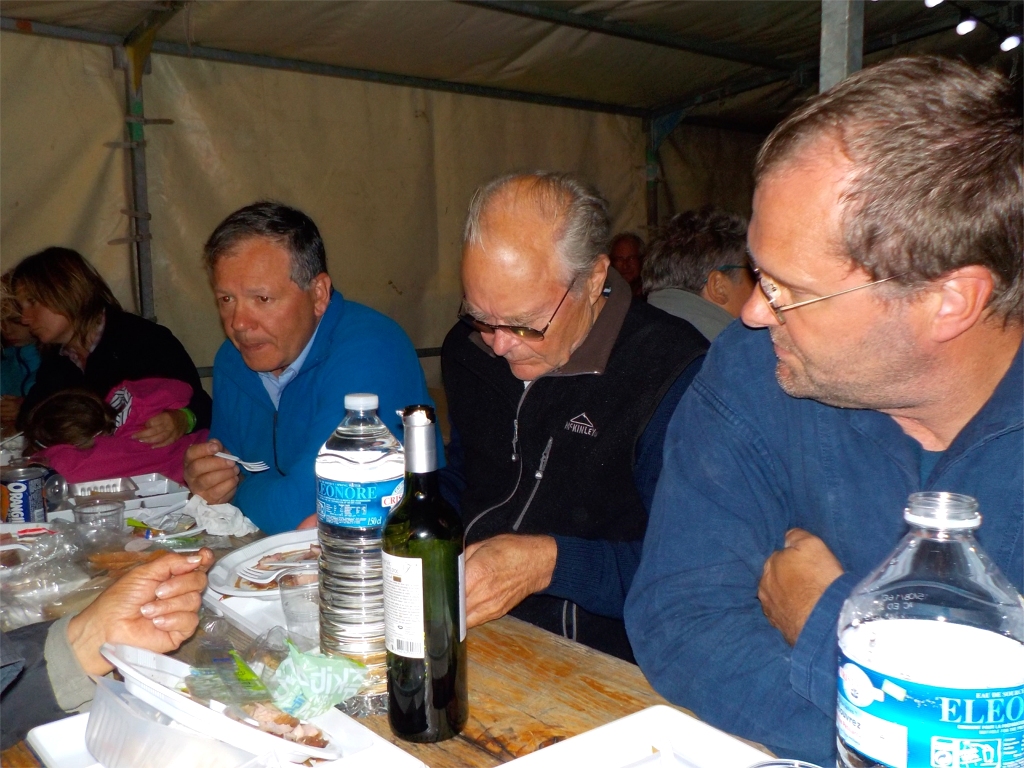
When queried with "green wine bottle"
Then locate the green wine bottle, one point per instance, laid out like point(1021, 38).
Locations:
point(424, 597)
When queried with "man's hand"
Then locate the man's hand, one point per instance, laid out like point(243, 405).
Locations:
point(794, 579)
point(211, 477)
point(309, 522)
point(163, 429)
point(155, 606)
point(9, 407)
point(502, 571)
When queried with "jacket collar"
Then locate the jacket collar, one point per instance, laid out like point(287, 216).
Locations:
point(592, 355)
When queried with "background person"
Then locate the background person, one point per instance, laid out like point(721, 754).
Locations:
point(697, 269)
point(20, 356)
point(295, 348)
point(883, 357)
point(90, 343)
point(626, 252)
point(45, 668)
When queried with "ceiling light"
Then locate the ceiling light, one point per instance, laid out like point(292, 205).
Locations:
point(932, 3)
point(1011, 42)
point(967, 24)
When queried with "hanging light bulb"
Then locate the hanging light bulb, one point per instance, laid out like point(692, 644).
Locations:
point(967, 23)
point(932, 3)
point(1011, 42)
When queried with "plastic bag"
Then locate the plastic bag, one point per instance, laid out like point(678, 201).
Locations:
point(303, 684)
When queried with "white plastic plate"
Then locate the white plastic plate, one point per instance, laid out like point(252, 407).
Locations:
point(223, 576)
point(153, 677)
point(656, 737)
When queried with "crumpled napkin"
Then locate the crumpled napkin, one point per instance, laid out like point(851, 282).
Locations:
point(218, 519)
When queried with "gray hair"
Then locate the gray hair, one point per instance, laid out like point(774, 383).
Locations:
point(691, 246)
point(936, 146)
point(289, 227)
point(579, 212)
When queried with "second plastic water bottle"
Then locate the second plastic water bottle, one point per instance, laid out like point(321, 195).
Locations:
point(359, 473)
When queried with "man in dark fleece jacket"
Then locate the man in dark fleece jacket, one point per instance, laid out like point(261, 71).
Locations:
point(559, 389)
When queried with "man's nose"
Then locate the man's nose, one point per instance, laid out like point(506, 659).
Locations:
point(501, 341)
point(241, 319)
point(756, 313)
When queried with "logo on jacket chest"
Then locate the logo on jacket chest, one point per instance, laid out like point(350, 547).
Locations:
point(581, 425)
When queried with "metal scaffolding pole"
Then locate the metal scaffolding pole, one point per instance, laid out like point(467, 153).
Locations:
point(842, 41)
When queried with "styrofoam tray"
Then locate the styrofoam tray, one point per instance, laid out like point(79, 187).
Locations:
point(224, 574)
point(656, 737)
point(152, 491)
point(153, 677)
point(61, 744)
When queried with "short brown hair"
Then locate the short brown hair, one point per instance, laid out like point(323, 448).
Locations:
point(936, 146)
point(64, 282)
point(71, 417)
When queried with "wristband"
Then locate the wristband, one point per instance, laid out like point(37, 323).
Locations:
point(191, 419)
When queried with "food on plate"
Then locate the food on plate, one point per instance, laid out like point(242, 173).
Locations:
point(312, 552)
point(275, 561)
point(273, 720)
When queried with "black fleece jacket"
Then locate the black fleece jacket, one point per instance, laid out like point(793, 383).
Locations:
point(558, 457)
point(130, 349)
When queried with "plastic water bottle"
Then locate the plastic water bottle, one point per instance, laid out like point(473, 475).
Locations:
point(359, 474)
point(931, 651)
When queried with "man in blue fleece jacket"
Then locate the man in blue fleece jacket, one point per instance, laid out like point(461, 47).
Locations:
point(295, 347)
point(883, 357)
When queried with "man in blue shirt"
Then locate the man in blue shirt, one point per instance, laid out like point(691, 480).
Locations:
point(882, 357)
point(295, 347)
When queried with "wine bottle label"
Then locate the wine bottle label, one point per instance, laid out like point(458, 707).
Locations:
point(356, 505)
point(462, 596)
point(403, 605)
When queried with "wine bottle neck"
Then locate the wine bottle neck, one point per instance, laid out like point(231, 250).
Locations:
point(420, 449)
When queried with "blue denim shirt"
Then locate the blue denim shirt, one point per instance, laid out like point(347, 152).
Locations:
point(744, 462)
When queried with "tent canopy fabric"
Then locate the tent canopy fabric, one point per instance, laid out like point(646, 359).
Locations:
point(386, 159)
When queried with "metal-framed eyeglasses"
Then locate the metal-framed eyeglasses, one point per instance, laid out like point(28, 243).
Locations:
point(770, 291)
point(522, 331)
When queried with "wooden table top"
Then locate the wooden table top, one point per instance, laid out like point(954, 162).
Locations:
point(528, 689)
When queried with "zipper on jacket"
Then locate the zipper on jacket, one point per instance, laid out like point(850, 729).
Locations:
point(276, 465)
point(515, 459)
point(565, 619)
point(539, 474)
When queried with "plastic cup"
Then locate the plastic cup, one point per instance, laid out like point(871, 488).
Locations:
point(100, 513)
point(300, 601)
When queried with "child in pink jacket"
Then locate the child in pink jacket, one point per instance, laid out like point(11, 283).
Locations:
point(85, 438)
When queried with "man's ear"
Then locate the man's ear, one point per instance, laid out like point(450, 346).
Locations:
point(959, 301)
point(321, 288)
point(715, 289)
point(598, 277)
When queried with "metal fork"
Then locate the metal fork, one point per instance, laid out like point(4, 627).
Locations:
point(251, 466)
point(261, 576)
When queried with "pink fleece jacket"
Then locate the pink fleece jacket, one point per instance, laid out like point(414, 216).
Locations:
point(119, 455)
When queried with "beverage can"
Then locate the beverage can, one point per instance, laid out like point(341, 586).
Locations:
point(21, 490)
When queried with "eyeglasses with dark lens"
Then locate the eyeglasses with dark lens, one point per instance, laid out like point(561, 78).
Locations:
point(522, 331)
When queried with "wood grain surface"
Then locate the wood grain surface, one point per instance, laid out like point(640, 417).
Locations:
point(529, 689)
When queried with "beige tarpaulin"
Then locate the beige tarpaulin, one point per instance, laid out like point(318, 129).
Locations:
point(385, 171)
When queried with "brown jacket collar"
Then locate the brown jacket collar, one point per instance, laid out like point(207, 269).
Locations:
point(592, 355)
